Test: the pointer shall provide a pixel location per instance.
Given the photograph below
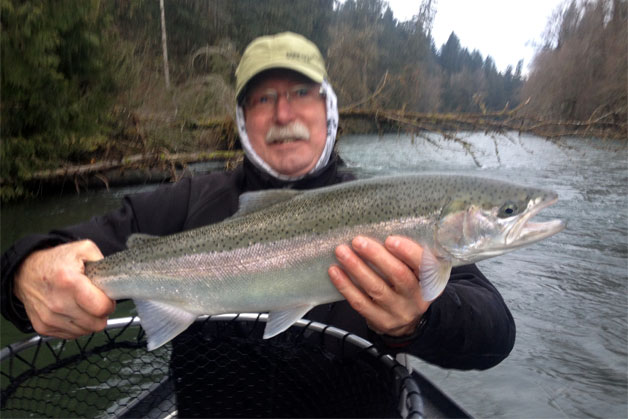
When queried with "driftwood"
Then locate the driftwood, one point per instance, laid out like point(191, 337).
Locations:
point(611, 125)
point(139, 160)
point(140, 168)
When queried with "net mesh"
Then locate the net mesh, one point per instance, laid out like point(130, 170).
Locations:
point(217, 369)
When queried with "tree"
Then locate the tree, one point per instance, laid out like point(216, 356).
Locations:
point(59, 77)
point(164, 43)
point(450, 54)
point(581, 69)
point(354, 55)
point(425, 18)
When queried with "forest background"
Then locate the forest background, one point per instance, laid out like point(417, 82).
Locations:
point(85, 81)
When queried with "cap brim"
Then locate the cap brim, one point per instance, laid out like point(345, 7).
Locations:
point(313, 75)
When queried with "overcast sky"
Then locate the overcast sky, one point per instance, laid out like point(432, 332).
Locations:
point(507, 30)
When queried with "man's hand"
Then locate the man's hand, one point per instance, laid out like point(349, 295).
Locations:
point(59, 299)
point(385, 289)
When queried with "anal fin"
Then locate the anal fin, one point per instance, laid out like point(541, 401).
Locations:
point(279, 321)
point(162, 322)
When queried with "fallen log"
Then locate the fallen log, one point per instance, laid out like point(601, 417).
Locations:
point(606, 127)
point(130, 162)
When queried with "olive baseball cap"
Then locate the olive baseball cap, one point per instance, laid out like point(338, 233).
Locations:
point(284, 50)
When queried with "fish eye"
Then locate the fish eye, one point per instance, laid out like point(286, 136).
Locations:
point(508, 210)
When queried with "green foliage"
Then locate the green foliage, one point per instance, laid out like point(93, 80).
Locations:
point(195, 24)
point(251, 18)
point(59, 77)
point(367, 44)
point(472, 84)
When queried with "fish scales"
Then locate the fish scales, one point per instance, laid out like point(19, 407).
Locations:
point(310, 213)
point(274, 253)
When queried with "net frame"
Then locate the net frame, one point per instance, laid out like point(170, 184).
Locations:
point(22, 362)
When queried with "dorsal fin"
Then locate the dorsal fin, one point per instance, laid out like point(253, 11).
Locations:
point(255, 201)
point(138, 239)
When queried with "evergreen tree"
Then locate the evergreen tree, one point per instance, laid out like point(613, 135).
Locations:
point(60, 71)
point(450, 55)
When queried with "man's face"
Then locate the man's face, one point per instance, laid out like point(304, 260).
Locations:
point(288, 134)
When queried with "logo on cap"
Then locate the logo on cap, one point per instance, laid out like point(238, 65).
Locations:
point(300, 56)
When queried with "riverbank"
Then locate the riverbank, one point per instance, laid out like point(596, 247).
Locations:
point(155, 150)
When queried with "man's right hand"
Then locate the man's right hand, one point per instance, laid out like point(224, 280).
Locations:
point(59, 299)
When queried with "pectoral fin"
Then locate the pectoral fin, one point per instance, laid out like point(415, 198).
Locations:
point(162, 322)
point(279, 321)
point(433, 275)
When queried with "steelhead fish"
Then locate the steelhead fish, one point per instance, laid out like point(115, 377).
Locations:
point(273, 254)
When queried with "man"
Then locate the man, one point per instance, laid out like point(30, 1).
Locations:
point(287, 119)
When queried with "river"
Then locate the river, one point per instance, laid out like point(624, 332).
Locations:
point(568, 294)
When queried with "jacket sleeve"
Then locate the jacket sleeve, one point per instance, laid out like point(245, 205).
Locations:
point(160, 212)
point(468, 327)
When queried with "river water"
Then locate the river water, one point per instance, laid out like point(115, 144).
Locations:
point(568, 294)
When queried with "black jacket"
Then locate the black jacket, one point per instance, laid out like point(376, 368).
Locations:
point(468, 326)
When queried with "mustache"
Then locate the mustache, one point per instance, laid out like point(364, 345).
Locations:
point(294, 131)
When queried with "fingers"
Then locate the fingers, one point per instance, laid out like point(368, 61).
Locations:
point(370, 281)
point(88, 297)
point(397, 262)
point(407, 251)
point(87, 307)
point(360, 301)
point(92, 300)
point(59, 299)
point(51, 324)
point(70, 306)
point(87, 250)
point(380, 282)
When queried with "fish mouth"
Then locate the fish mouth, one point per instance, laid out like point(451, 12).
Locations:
point(524, 231)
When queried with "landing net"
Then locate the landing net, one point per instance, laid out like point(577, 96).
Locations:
point(225, 370)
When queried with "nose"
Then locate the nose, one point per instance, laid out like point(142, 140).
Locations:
point(284, 113)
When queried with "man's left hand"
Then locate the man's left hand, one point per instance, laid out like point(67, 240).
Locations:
point(381, 282)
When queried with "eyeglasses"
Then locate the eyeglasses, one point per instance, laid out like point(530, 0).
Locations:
point(299, 95)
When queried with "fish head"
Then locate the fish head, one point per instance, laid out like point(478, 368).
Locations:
point(482, 222)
